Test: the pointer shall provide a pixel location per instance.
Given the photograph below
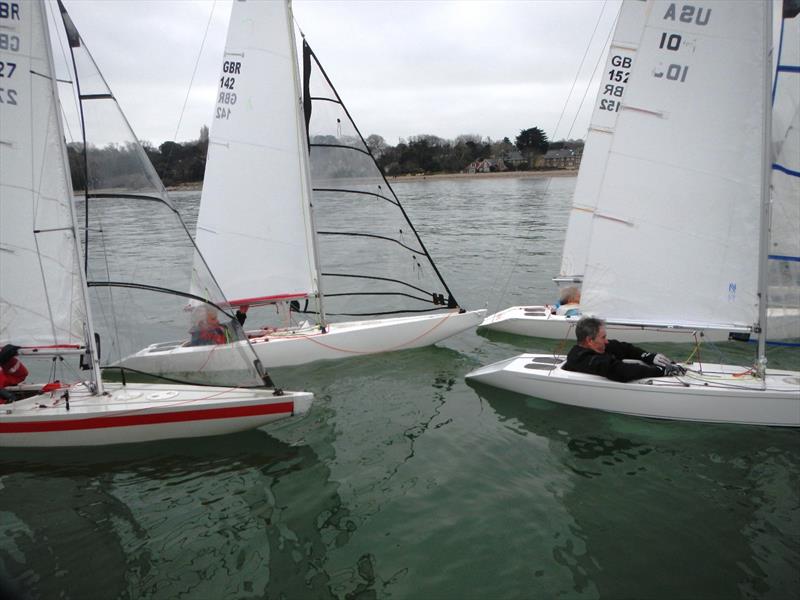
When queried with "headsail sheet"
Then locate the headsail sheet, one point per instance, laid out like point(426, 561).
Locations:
point(131, 230)
point(675, 233)
point(254, 226)
point(784, 250)
point(41, 303)
point(619, 65)
point(373, 261)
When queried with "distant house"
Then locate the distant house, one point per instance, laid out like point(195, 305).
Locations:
point(565, 158)
point(514, 158)
point(486, 165)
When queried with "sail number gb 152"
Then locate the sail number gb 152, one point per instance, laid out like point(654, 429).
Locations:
point(227, 84)
point(615, 82)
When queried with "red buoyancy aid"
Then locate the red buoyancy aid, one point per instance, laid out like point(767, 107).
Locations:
point(12, 373)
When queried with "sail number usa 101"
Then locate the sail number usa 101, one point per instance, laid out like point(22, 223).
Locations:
point(227, 86)
point(9, 42)
point(673, 42)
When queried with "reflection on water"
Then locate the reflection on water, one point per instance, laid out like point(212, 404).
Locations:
point(690, 497)
point(404, 482)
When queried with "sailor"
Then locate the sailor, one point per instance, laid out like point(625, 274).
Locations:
point(12, 371)
point(619, 361)
point(568, 303)
point(207, 330)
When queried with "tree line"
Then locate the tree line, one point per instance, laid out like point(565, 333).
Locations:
point(176, 163)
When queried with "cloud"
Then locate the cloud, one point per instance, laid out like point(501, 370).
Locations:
point(402, 68)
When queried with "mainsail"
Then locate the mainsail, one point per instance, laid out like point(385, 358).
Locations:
point(41, 304)
point(784, 249)
point(676, 230)
point(373, 261)
point(619, 64)
point(254, 224)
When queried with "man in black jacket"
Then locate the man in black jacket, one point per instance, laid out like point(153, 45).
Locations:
point(596, 354)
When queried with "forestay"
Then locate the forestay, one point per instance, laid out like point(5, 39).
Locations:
point(619, 64)
point(676, 230)
point(41, 303)
point(254, 225)
point(131, 228)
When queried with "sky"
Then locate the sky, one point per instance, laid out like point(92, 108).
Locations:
point(403, 68)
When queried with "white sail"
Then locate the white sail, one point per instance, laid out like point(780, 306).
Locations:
point(41, 303)
point(784, 250)
point(254, 227)
point(619, 64)
point(675, 234)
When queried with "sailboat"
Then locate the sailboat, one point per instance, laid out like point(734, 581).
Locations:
point(543, 320)
point(290, 185)
point(66, 290)
point(682, 220)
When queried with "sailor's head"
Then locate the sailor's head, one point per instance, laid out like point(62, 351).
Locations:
point(204, 316)
point(570, 295)
point(591, 333)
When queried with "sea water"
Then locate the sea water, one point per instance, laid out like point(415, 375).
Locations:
point(403, 482)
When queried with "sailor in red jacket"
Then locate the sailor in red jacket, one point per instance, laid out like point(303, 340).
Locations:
point(12, 371)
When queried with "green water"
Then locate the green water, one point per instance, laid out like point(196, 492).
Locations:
point(403, 482)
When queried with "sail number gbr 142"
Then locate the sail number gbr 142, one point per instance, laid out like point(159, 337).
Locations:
point(227, 84)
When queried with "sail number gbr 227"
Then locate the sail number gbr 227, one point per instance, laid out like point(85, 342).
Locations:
point(9, 11)
point(227, 84)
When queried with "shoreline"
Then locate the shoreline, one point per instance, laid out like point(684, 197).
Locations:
point(510, 174)
point(196, 186)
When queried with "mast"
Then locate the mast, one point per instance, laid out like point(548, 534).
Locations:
point(73, 37)
point(305, 157)
point(766, 205)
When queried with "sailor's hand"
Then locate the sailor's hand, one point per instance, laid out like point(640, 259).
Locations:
point(662, 361)
point(658, 360)
point(674, 370)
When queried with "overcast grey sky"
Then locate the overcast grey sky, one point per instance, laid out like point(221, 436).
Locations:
point(403, 68)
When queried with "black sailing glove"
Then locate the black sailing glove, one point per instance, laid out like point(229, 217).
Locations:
point(657, 359)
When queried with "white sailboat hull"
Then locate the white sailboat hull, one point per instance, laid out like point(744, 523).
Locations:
point(720, 394)
point(141, 413)
point(290, 347)
point(536, 321)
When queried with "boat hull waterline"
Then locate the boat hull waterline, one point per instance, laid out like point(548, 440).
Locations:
point(717, 393)
point(290, 347)
point(141, 413)
point(537, 321)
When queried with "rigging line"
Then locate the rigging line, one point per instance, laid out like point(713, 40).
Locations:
point(350, 294)
point(342, 146)
point(154, 288)
point(580, 68)
point(378, 314)
point(586, 91)
point(354, 276)
point(371, 235)
point(194, 72)
point(58, 30)
point(349, 191)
